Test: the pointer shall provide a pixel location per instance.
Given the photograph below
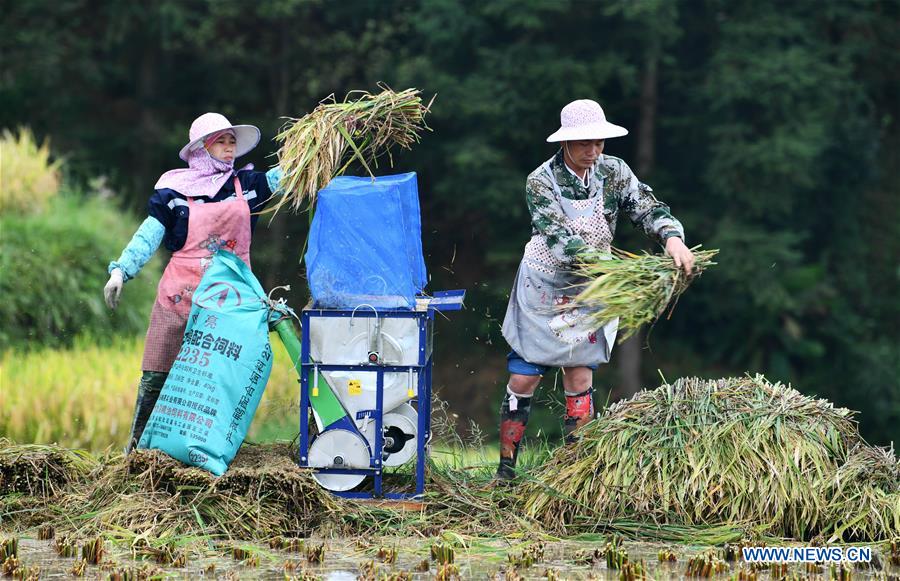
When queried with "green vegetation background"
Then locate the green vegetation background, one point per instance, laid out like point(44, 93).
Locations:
point(770, 128)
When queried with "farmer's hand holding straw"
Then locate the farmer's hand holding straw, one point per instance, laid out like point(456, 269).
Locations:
point(553, 319)
point(185, 212)
point(312, 153)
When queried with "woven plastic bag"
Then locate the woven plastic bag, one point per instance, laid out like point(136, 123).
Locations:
point(214, 387)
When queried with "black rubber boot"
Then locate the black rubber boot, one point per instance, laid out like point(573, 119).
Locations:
point(514, 412)
point(579, 411)
point(148, 392)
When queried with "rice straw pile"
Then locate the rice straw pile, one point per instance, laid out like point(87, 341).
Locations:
point(635, 288)
point(864, 495)
point(323, 143)
point(149, 495)
point(741, 452)
point(38, 470)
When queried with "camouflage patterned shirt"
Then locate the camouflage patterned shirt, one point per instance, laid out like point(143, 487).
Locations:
point(622, 192)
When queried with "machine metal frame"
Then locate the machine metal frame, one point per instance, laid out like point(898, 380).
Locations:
point(440, 301)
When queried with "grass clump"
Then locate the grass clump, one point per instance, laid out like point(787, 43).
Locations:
point(633, 571)
point(315, 553)
point(442, 553)
point(705, 565)
point(65, 547)
point(894, 553)
point(616, 557)
point(15, 568)
point(29, 178)
point(78, 568)
point(387, 554)
point(635, 288)
point(315, 148)
point(446, 572)
point(9, 548)
point(292, 545)
point(739, 452)
point(528, 557)
point(666, 556)
point(92, 551)
point(46, 533)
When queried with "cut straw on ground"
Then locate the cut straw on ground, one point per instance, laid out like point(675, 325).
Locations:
point(696, 461)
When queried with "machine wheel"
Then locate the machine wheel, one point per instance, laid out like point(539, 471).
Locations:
point(401, 424)
point(338, 449)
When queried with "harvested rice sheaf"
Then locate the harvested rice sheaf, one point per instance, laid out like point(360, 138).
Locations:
point(634, 288)
point(320, 145)
point(742, 452)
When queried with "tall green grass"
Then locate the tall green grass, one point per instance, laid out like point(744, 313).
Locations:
point(53, 267)
point(83, 397)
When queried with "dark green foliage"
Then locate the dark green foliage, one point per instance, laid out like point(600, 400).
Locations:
point(54, 270)
point(776, 141)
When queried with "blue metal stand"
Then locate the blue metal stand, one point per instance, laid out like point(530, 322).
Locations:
point(441, 301)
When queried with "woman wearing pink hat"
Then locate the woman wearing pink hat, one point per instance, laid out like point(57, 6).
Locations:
point(188, 211)
point(574, 198)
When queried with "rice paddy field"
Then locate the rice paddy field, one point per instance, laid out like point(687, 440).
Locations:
point(670, 484)
point(84, 397)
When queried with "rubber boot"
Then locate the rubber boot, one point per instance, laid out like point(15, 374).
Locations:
point(514, 412)
point(579, 411)
point(148, 392)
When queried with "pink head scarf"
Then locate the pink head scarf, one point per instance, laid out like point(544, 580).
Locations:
point(204, 176)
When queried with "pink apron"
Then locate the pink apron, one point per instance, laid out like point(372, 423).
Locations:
point(211, 226)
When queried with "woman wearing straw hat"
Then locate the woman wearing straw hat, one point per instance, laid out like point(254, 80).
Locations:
point(574, 198)
point(187, 212)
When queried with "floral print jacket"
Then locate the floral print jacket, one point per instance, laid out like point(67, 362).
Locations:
point(622, 192)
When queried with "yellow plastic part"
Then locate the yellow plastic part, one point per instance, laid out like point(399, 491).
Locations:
point(354, 387)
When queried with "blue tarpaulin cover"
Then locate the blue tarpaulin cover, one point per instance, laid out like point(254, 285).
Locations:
point(365, 244)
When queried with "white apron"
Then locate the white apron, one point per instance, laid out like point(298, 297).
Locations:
point(536, 326)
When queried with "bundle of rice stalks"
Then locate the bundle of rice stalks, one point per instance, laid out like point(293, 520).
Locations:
point(38, 470)
point(864, 495)
point(315, 147)
point(739, 452)
point(635, 288)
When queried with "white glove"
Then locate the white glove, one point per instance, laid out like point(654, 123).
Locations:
point(113, 289)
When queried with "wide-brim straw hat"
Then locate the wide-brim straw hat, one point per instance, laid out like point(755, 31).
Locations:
point(584, 119)
point(246, 136)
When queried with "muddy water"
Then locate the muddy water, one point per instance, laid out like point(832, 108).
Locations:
point(347, 559)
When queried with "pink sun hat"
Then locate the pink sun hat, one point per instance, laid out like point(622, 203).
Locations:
point(584, 119)
point(247, 136)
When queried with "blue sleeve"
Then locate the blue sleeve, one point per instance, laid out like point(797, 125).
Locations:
point(141, 248)
point(273, 180)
